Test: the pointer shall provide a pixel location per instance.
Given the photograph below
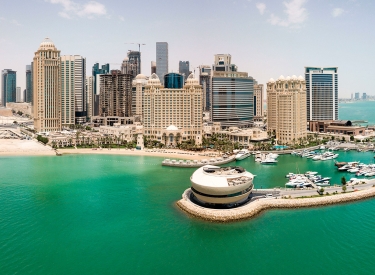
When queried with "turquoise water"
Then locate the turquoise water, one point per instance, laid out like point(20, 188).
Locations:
point(359, 110)
point(104, 214)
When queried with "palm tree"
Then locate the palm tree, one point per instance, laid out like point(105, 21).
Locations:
point(178, 137)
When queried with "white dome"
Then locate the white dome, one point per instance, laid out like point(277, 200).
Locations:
point(281, 77)
point(300, 77)
point(172, 128)
point(47, 44)
point(191, 80)
point(140, 76)
point(271, 80)
point(288, 77)
point(294, 77)
point(126, 59)
point(154, 80)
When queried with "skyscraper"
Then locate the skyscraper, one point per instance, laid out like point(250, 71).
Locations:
point(184, 69)
point(153, 67)
point(356, 96)
point(18, 95)
point(258, 102)
point(322, 93)
point(73, 97)
point(29, 83)
point(47, 88)
point(8, 87)
point(132, 64)
point(115, 94)
point(286, 109)
point(96, 71)
point(138, 88)
point(161, 59)
point(232, 94)
point(205, 81)
point(90, 96)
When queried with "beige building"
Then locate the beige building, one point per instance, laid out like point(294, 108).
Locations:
point(46, 88)
point(173, 115)
point(138, 89)
point(123, 132)
point(258, 102)
point(286, 109)
point(90, 96)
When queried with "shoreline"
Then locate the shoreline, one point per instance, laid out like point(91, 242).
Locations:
point(255, 208)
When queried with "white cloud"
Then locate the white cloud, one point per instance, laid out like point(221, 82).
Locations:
point(71, 8)
point(337, 12)
point(296, 14)
point(261, 7)
point(121, 18)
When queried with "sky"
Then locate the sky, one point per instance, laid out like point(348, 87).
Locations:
point(266, 38)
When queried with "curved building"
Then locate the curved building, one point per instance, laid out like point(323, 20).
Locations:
point(221, 185)
point(173, 81)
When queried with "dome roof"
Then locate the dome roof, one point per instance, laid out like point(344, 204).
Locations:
point(140, 76)
point(191, 80)
point(294, 77)
point(281, 77)
point(47, 44)
point(288, 77)
point(300, 77)
point(172, 128)
point(126, 59)
point(154, 80)
point(271, 80)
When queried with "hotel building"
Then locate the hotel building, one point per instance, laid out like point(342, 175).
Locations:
point(138, 90)
point(173, 113)
point(90, 97)
point(47, 88)
point(258, 102)
point(322, 93)
point(286, 109)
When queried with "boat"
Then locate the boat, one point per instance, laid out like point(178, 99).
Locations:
point(340, 164)
point(323, 184)
point(370, 174)
point(310, 173)
point(272, 156)
point(244, 153)
point(268, 161)
point(317, 157)
point(353, 170)
point(322, 147)
point(290, 175)
point(328, 156)
point(320, 180)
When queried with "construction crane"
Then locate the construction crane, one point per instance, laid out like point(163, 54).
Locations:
point(139, 45)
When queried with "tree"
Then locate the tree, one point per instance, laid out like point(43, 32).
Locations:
point(343, 180)
point(344, 188)
point(351, 138)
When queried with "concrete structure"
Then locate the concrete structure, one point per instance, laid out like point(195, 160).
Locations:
point(73, 90)
point(184, 69)
point(90, 97)
point(173, 115)
point(214, 185)
point(96, 72)
point(115, 94)
point(343, 127)
point(258, 102)
point(122, 132)
point(138, 88)
point(19, 97)
point(140, 142)
point(244, 136)
point(153, 67)
point(46, 88)
point(8, 86)
point(232, 94)
point(29, 83)
point(161, 60)
point(205, 81)
point(286, 109)
point(321, 93)
point(132, 63)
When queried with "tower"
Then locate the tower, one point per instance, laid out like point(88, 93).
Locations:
point(161, 60)
point(8, 86)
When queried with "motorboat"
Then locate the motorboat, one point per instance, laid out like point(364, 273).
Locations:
point(310, 173)
point(268, 161)
point(323, 184)
point(317, 157)
point(290, 175)
point(272, 156)
point(322, 147)
point(244, 153)
point(329, 156)
point(370, 174)
point(320, 180)
point(353, 170)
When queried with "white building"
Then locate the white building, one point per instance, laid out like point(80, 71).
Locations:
point(90, 96)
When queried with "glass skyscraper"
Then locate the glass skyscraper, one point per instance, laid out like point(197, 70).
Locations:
point(8, 87)
point(161, 59)
point(321, 93)
point(29, 83)
point(184, 68)
point(173, 81)
point(96, 70)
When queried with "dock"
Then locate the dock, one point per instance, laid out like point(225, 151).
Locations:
point(197, 163)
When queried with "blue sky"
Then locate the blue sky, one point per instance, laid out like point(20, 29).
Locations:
point(266, 38)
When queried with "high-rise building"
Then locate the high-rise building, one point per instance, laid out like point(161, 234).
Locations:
point(138, 90)
point(322, 93)
point(90, 96)
point(173, 115)
point(286, 109)
point(161, 59)
point(132, 64)
point(356, 96)
point(153, 67)
point(29, 83)
point(18, 95)
point(96, 71)
point(184, 68)
point(73, 96)
point(115, 94)
point(47, 88)
point(8, 86)
point(173, 81)
point(232, 94)
point(258, 102)
point(205, 81)
point(24, 95)
point(364, 96)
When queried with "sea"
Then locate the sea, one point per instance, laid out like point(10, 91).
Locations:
point(111, 214)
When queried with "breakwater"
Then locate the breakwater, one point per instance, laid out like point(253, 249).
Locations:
point(256, 207)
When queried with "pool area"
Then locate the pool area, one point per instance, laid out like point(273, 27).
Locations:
point(280, 147)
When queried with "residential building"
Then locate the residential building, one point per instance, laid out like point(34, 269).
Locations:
point(258, 102)
point(138, 89)
point(90, 97)
point(96, 72)
point(286, 109)
point(131, 64)
point(47, 88)
point(232, 94)
point(8, 86)
point(356, 96)
point(153, 67)
point(161, 60)
point(173, 115)
point(19, 98)
point(321, 93)
point(115, 94)
point(184, 68)
point(364, 96)
point(29, 83)
point(205, 81)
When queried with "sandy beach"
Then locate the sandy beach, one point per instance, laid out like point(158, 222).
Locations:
point(17, 147)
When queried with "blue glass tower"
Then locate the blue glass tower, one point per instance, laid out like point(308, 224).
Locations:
point(9, 85)
point(29, 83)
point(173, 81)
point(96, 70)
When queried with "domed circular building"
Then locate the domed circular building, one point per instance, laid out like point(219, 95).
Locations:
point(221, 185)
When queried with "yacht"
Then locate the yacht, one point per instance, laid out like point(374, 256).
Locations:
point(323, 184)
point(328, 156)
point(269, 161)
point(244, 153)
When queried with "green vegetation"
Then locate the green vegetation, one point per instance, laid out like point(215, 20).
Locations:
point(42, 139)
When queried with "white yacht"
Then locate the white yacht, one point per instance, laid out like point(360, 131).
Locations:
point(328, 156)
point(268, 161)
point(244, 153)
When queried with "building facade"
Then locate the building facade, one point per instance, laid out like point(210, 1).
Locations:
point(132, 64)
point(232, 94)
point(115, 94)
point(286, 109)
point(138, 89)
point(90, 97)
point(205, 81)
point(173, 115)
point(29, 83)
point(321, 93)
point(8, 86)
point(161, 59)
point(19, 96)
point(96, 72)
point(46, 88)
point(184, 68)
point(258, 102)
